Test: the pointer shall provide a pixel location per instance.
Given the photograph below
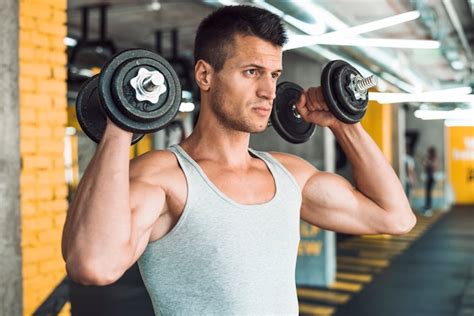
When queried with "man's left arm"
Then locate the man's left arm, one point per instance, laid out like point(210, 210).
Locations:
point(377, 204)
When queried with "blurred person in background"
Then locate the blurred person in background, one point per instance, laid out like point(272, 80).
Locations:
point(430, 163)
point(409, 163)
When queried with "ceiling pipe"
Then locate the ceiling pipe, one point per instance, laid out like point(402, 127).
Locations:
point(453, 16)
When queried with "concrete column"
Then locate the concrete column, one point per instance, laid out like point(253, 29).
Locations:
point(329, 236)
point(10, 239)
point(329, 150)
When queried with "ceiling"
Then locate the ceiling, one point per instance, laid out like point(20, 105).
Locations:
point(134, 23)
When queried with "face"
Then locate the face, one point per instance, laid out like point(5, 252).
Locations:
point(242, 92)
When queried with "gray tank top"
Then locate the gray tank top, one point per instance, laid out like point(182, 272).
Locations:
point(226, 258)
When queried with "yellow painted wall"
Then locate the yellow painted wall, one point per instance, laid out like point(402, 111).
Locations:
point(43, 117)
point(378, 123)
point(461, 162)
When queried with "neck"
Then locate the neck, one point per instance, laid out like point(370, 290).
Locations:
point(210, 140)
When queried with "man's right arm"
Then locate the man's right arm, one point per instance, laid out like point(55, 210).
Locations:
point(110, 220)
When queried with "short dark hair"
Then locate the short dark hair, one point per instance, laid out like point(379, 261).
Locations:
point(216, 32)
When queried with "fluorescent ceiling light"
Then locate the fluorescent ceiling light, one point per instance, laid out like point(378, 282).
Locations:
point(186, 107)
point(383, 97)
point(457, 65)
point(450, 91)
point(69, 41)
point(458, 94)
point(298, 41)
point(466, 122)
point(457, 114)
point(223, 2)
point(155, 5)
point(70, 131)
point(343, 37)
point(375, 25)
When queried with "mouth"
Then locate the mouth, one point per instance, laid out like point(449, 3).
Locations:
point(263, 111)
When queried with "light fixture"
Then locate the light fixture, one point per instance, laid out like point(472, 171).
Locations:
point(457, 65)
point(297, 41)
point(186, 107)
point(375, 25)
point(453, 95)
point(69, 41)
point(155, 5)
point(346, 36)
point(223, 2)
point(457, 114)
point(70, 131)
point(466, 122)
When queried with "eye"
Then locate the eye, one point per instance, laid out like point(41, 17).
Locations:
point(275, 75)
point(251, 72)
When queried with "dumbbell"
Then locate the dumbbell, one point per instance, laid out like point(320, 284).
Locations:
point(137, 89)
point(344, 91)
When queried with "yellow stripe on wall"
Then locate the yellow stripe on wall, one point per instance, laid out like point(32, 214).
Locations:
point(378, 124)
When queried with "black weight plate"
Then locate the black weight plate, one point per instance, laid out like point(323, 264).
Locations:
point(89, 113)
point(329, 93)
point(116, 115)
point(344, 94)
point(125, 96)
point(291, 128)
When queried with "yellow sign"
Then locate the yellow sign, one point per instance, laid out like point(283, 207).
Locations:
point(310, 248)
point(461, 162)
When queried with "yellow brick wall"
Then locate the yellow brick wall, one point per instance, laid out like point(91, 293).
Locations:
point(43, 117)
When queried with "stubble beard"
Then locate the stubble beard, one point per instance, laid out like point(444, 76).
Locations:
point(226, 119)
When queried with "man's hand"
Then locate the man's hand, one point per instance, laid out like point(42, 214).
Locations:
point(312, 107)
point(113, 129)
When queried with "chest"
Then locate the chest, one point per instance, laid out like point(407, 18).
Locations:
point(255, 186)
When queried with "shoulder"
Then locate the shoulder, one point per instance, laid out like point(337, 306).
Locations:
point(154, 167)
point(301, 169)
point(157, 173)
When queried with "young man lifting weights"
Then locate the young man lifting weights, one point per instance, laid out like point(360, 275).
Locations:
point(213, 224)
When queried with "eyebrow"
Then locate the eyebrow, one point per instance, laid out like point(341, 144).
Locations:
point(258, 66)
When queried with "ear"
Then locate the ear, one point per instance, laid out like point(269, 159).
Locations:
point(203, 74)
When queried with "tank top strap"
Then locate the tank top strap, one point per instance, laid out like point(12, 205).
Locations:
point(277, 166)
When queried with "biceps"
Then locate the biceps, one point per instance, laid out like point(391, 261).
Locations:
point(332, 203)
point(325, 191)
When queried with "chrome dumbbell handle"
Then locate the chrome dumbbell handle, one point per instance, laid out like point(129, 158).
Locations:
point(148, 85)
point(359, 85)
point(366, 83)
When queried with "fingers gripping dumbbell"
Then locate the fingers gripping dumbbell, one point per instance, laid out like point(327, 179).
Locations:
point(137, 89)
point(345, 93)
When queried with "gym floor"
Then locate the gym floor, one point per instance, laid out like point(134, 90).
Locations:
point(429, 271)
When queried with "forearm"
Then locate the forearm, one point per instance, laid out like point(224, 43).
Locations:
point(373, 175)
point(98, 224)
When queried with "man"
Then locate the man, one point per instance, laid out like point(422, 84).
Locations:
point(213, 224)
point(410, 172)
point(431, 164)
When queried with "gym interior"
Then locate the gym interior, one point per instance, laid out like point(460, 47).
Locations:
point(419, 51)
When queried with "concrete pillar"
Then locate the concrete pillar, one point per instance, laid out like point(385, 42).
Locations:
point(10, 241)
point(329, 236)
point(329, 150)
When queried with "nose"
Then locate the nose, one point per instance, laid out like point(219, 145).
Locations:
point(267, 88)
